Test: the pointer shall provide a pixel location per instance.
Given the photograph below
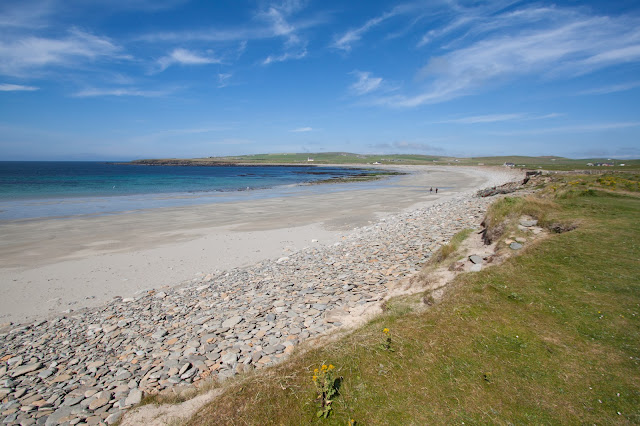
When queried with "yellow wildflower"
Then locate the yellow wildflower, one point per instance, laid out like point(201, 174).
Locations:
point(316, 371)
point(385, 331)
point(315, 378)
point(324, 367)
point(331, 367)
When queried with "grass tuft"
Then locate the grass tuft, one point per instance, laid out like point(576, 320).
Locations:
point(451, 247)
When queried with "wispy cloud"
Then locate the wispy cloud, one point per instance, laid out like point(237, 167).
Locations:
point(16, 88)
point(96, 92)
point(494, 118)
point(567, 44)
point(611, 89)
point(365, 83)
point(284, 57)
point(484, 18)
point(19, 55)
point(346, 40)
point(223, 79)
point(295, 47)
point(25, 14)
point(302, 129)
point(181, 56)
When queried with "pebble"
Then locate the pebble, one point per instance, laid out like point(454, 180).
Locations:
point(90, 365)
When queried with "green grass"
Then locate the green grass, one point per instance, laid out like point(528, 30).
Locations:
point(551, 336)
point(547, 163)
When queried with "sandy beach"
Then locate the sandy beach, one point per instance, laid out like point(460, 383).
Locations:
point(169, 298)
point(54, 265)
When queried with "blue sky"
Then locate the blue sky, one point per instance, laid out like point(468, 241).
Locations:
point(127, 79)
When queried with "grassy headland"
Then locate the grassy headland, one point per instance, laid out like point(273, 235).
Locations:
point(549, 336)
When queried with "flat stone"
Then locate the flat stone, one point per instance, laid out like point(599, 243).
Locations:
point(59, 414)
point(515, 246)
point(109, 328)
point(189, 373)
point(184, 368)
point(475, 259)
point(113, 418)
point(159, 334)
point(44, 374)
point(95, 364)
point(61, 378)
point(528, 222)
point(134, 397)
point(229, 358)
point(123, 375)
point(233, 321)
point(93, 420)
point(28, 368)
point(97, 403)
point(70, 400)
point(475, 267)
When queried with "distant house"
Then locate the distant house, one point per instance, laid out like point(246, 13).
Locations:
point(310, 159)
point(590, 164)
point(377, 162)
point(480, 164)
point(509, 164)
point(604, 164)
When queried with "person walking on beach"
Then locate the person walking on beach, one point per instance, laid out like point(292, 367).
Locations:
point(431, 189)
point(436, 190)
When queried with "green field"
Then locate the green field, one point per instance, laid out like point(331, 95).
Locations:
point(548, 163)
point(551, 336)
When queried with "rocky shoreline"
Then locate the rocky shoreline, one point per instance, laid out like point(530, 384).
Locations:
point(88, 367)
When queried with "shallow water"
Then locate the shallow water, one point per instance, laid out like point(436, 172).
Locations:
point(53, 189)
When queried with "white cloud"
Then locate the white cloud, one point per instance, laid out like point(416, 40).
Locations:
point(366, 83)
point(16, 88)
point(612, 88)
point(302, 129)
point(295, 47)
point(223, 79)
point(345, 41)
point(284, 57)
point(570, 44)
point(494, 118)
point(25, 13)
point(28, 53)
point(181, 56)
point(95, 92)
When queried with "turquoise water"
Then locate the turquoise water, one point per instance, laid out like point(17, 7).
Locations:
point(44, 189)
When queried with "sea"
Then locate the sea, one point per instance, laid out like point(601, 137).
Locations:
point(36, 189)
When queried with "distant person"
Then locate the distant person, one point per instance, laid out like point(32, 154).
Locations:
point(431, 189)
point(436, 190)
